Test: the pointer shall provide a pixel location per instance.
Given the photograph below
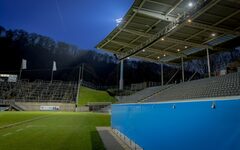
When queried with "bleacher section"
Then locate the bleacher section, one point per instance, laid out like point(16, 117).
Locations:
point(39, 91)
point(228, 85)
point(143, 94)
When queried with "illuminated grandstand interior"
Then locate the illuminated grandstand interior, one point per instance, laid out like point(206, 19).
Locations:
point(168, 30)
point(173, 32)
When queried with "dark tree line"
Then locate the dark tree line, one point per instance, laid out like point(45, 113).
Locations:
point(101, 69)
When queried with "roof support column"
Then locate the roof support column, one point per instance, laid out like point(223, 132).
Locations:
point(182, 69)
point(121, 75)
point(162, 74)
point(208, 63)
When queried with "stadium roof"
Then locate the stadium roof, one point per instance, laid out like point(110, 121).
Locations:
point(167, 30)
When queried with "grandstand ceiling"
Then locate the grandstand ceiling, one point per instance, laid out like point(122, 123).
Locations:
point(168, 30)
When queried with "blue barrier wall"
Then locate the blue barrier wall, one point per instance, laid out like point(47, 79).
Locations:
point(180, 126)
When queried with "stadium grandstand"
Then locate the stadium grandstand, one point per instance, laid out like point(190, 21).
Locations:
point(172, 32)
point(39, 91)
point(15, 93)
point(221, 86)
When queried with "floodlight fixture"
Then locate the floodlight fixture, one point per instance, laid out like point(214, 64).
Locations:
point(213, 34)
point(118, 21)
point(190, 4)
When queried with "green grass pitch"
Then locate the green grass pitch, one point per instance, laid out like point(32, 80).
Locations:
point(90, 95)
point(51, 130)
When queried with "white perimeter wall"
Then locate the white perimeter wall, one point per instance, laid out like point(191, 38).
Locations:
point(33, 106)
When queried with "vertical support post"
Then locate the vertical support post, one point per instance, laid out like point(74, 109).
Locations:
point(208, 64)
point(121, 75)
point(162, 74)
point(52, 76)
point(20, 74)
point(78, 88)
point(183, 78)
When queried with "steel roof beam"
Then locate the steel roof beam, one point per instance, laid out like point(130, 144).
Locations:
point(174, 7)
point(166, 52)
point(156, 15)
point(159, 3)
point(123, 44)
point(137, 32)
point(176, 41)
point(171, 40)
point(139, 57)
point(157, 22)
point(173, 26)
point(212, 28)
point(153, 50)
point(229, 16)
point(126, 23)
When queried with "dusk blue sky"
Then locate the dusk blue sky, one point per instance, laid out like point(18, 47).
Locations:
point(80, 22)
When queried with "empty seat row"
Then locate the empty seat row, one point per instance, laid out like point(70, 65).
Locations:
point(39, 91)
point(228, 85)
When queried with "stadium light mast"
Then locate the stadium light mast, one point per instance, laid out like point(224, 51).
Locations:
point(121, 75)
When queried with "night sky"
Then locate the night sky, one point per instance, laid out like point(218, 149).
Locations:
point(80, 22)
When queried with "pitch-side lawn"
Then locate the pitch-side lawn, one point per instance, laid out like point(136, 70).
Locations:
point(90, 95)
point(51, 131)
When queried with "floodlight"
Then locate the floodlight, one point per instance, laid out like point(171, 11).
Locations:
point(190, 4)
point(213, 34)
point(189, 20)
point(118, 21)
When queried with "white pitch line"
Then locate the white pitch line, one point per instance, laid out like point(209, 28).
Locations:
point(36, 126)
point(25, 121)
point(18, 130)
point(7, 134)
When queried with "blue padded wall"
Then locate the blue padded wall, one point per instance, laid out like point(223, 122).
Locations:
point(180, 126)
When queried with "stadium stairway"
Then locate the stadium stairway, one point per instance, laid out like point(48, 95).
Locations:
point(6, 105)
point(16, 107)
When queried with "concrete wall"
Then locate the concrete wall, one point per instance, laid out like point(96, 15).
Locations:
point(83, 109)
point(195, 125)
point(33, 106)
